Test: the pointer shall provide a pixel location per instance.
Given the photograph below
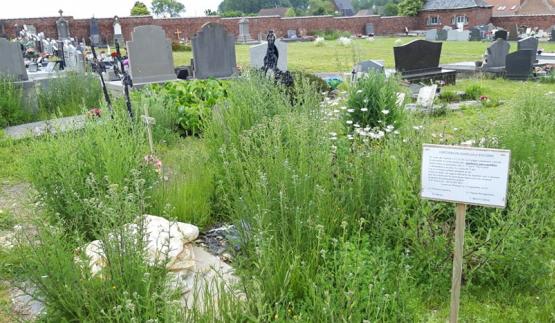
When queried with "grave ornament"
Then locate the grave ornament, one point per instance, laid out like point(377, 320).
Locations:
point(271, 62)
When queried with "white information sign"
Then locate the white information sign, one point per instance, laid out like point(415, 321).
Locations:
point(473, 176)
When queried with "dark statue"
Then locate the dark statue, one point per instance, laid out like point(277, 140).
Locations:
point(271, 62)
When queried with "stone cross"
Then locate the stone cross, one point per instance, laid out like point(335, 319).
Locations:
point(178, 33)
point(61, 12)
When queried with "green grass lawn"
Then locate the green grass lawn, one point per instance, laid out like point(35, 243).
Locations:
point(333, 57)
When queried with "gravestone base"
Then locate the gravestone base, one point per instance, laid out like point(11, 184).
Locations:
point(448, 77)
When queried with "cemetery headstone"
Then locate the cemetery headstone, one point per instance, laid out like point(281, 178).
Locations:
point(3, 29)
point(292, 34)
point(258, 52)
point(458, 35)
point(503, 34)
point(530, 43)
point(475, 34)
point(513, 33)
point(519, 64)
point(368, 66)
point(214, 52)
point(442, 35)
point(74, 59)
point(118, 34)
point(369, 29)
point(11, 60)
point(496, 55)
point(431, 35)
point(30, 30)
point(150, 55)
point(244, 32)
point(426, 96)
point(95, 33)
point(552, 34)
point(417, 56)
point(62, 26)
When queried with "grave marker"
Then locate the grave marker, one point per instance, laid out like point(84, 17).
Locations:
point(431, 35)
point(465, 176)
point(11, 60)
point(258, 52)
point(118, 35)
point(519, 64)
point(63, 26)
point(150, 55)
point(529, 43)
point(95, 33)
point(214, 52)
point(244, 33)
point(496, 55)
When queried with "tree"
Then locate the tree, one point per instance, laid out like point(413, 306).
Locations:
point(254, 6)
point(321, 7)
point(210, 12)
point(139, 9)
point(410, 7)
point(390, 9)
point(167, 8)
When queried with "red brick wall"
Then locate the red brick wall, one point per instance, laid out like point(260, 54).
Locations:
point(79, 28)
point(541, 21)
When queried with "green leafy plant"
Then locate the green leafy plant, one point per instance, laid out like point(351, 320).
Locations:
point(12, 111)
point(473, 92)
point(448, 96)
point(193, 102)
point(372, 102)
point(332, 34)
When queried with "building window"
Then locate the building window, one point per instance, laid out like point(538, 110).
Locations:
point(433, 20)
point(460, 20)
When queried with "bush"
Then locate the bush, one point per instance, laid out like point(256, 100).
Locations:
point(64, 167)
point(372, 102)
point(319, 84)
point(70, 94)
point(12, 111)
point(178, 47)
point(193, 102)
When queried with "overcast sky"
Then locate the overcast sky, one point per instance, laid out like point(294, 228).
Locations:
point(88, 8)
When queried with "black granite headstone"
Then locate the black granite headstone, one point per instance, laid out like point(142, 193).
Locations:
point(552, 35)
point(419, 56)
point(503, 34)
point(519, 66)
point(95, 32)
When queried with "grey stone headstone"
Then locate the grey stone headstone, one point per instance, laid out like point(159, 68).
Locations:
point(292, 34)
point(431, 35)
point(456, 35)
point(63, 28)
point(30, 30)
point(530, 43)
point(150, 55)
point(552, 34)
point(497, 54)
point(11, 60)
point(214, 52)
point(368, 66)
point(118, 34)
point(519, 65)
point(3, 29)
point(258, 52)
point(369, 29)
point(442, 35)
point(475, 34)
point(95, 33)
point(244, 33)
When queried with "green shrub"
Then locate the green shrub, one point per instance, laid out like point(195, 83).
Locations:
point(193, 101)
point(63, 167)
point(68, 95)
point(319, 84)
point(473, 92)
point(179, 47)
point(12, 111)
point(373, 102)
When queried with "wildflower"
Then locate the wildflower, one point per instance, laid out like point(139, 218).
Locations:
point(359, 91)
point(483, 98)
point(389, 128)
point(152, 160)
point(417, 128)
point(349, 122)
point(351, 110)
point(386, 112)
point(364, 109)
point(343, 108)
point(94, 113)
